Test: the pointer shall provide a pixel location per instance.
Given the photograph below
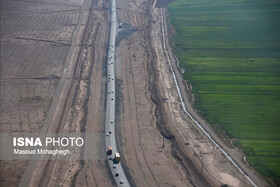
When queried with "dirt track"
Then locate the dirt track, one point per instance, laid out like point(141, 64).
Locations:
point(65, 79)
point(146, 162)
point(53, 79)
point(151, 105)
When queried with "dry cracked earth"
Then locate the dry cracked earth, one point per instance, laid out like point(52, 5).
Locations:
point(53, 79)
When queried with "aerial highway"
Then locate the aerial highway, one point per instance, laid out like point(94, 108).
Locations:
point(115, 165)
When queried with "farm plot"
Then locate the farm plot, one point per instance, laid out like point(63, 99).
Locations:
point(231, 54)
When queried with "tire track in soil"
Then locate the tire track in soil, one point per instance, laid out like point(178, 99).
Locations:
point(82, 72)
point(177, 153)
point(191, 170)
point(144, 44)
point(38, 165)
point(150, 60)
point(153, 87)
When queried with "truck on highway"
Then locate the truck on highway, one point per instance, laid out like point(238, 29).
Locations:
point(109, 152)
point(118, 157)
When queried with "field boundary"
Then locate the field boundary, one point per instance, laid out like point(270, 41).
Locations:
point(192, 118)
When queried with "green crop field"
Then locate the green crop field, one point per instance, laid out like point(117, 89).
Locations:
point(230, 50)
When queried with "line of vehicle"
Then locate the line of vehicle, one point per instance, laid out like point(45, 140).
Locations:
point(110, 137)
point(192, 118)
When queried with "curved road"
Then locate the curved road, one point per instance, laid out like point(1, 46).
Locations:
point(121, 179)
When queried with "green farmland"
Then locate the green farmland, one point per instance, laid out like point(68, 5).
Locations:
point(230, 50)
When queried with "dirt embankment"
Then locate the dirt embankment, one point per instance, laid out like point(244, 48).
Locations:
point(189, 141)
point(231, 172)
point(149, 109)
point(142, 115)
point(140, 142)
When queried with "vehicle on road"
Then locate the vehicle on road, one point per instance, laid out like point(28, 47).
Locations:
point(118, 157)
point(109, 152)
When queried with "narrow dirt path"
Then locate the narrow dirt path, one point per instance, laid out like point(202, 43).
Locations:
point(140, 142)
point(70, 114)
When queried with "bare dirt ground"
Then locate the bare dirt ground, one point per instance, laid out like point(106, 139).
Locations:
point(150, 109)
point(53, 80)
point(140, 142)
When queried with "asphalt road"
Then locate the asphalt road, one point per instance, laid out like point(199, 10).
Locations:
point(121, 179)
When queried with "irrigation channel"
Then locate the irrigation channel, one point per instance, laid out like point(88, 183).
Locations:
point(192, 118)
